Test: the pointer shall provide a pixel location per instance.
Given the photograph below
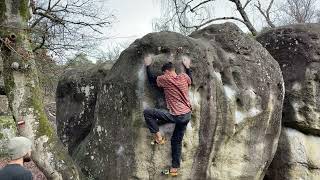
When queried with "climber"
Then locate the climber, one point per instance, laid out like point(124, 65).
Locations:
point(175, 88)
point(19, 150)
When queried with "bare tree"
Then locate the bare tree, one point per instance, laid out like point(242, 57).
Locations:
point(68, 25)
point(183, 8)
point(49, 72)
point(274, 13)
point(299, 11)
point(112, 52)
point(175, 18)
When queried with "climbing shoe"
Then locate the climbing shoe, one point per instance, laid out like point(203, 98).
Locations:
point(167, 172)
point(161, 142)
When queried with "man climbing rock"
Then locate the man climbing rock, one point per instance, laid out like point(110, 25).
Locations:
point(175, 88)
point(19, 149)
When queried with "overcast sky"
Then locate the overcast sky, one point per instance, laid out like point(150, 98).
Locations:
point(134, 18)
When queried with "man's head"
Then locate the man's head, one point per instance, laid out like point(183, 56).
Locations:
point(20, 147)
point(167, 67)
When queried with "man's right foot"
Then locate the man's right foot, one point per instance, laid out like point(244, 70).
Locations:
point(159, 142)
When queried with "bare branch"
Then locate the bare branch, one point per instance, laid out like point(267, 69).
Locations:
point(299, 11)
point(270, 6)
point(49, 4)
point(41, 45)
point(217, 19)
point(200, 4)
point(247, 3)
point(185, 10)
point(266, 14)
point(72, 24)
point(244, 16)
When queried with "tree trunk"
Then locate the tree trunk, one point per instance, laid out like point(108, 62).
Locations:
point(24, 94)
point(244, 16)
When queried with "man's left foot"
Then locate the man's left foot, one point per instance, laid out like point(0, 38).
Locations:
point(170, 172)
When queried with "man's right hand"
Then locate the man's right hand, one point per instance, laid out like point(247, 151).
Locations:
point(147, 60)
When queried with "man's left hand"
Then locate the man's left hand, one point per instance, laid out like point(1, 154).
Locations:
point(147, 60)
point(186, 61)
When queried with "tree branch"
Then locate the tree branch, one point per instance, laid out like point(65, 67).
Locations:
point(41, 45)
point(266, 14)
point(203, 2)
point(244, 16)
point(74, 24)
point(218, 19)
point(246, 4)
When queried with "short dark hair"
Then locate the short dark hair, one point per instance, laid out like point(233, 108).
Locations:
point(167, 66)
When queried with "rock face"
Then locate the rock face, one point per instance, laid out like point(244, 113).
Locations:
point(297, 157)
point(7, 131)
point(237, 97)
point(297, 49)
point(76, 99)
point(4, 105)
point(7, 124)
point(2, 90)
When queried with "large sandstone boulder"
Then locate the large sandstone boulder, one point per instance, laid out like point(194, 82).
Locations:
point(297, 49)
point(297, 157)
point(76, 98)
point(237, 97)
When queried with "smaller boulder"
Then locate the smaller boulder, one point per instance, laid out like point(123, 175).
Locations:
point(297, 50)
point(76, 99)
point(297, 157)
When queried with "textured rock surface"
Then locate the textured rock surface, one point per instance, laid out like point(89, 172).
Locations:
point(2, 90)
point(297, 49)
point(4, 105)
point(76, 98)
point(7, 124)
point(7, 131)
point(237, 97)
point(297, 157)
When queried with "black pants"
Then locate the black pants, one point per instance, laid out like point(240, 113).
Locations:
point(154, 117)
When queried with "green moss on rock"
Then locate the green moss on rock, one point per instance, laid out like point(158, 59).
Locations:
point(44, 125)
point(9, 86)
point(7, 122)
point(24, 9)
point(3, 10)
point(7, 131)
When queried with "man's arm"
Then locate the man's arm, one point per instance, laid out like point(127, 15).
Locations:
point(152, 78)
point(189, 73)
point(186, 62)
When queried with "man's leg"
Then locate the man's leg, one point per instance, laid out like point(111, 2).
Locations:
point(152, 117)
point(176, 144)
